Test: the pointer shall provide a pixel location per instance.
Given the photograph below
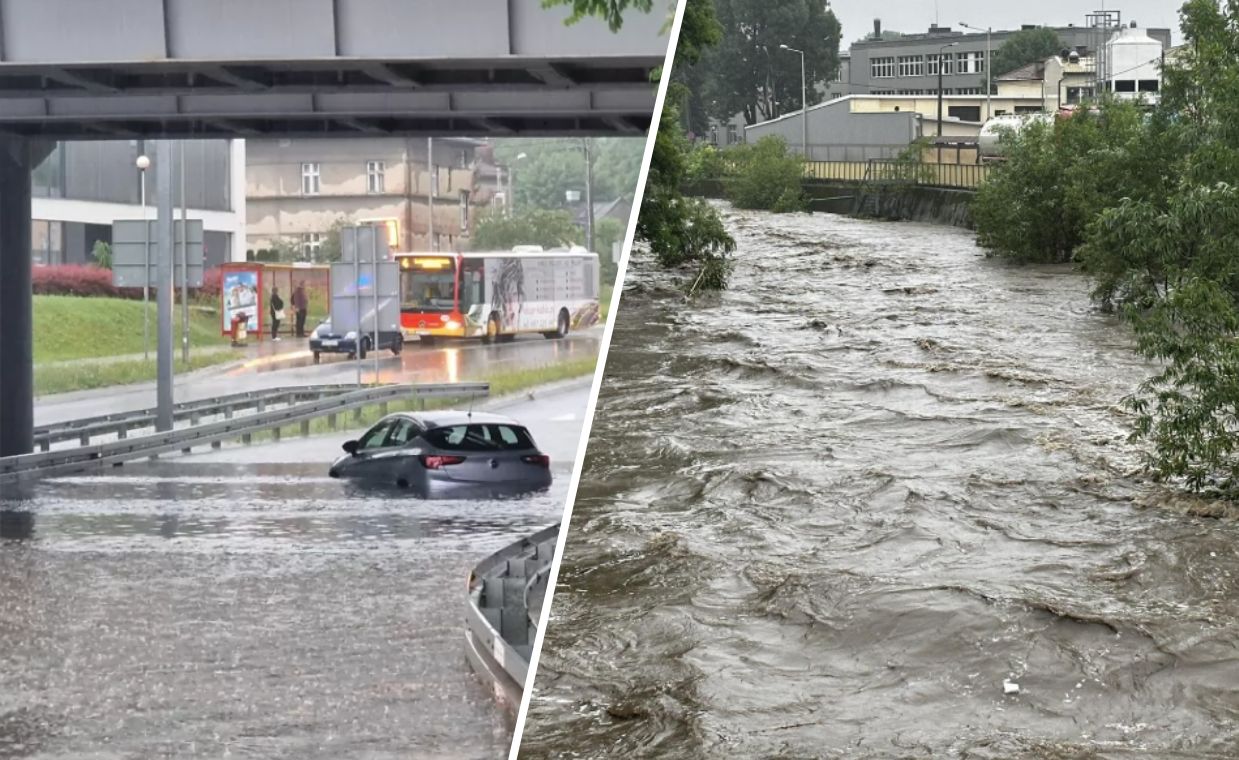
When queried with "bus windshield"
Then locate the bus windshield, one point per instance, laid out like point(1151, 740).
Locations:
point(427, 288)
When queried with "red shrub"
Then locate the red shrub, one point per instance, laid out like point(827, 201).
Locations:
point(73, 280)
point(212, 281)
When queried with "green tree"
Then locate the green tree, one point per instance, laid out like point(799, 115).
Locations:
point(1061, 173)
point(611, 11)
point(549, 229)
point(102, 253)
point(1024, 47)
point(552, 167)
point(1171, 263)
point(749, 73)
point(767, 177)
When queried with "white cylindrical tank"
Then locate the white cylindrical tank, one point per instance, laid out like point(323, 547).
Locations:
point(990, 141)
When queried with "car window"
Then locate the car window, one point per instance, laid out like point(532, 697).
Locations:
point(375, 436)
point(479, 437)
point(514, 437)
point(401, 433)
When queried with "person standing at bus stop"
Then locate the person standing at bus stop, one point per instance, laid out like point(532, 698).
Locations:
point(276, 304)
point(301, 307)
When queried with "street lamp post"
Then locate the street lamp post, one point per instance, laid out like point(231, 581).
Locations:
point(144, 163)
point(989, 72)
point(589, 195)
point(940, 67)
point(804, 104)
point(511, 188)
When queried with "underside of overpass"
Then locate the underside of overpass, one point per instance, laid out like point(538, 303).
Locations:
point(168, 69)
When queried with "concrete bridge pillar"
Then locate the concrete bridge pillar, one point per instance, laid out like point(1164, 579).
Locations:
point(18, 157)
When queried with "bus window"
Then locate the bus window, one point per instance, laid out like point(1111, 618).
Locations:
point(428, 286)
point(472, 284)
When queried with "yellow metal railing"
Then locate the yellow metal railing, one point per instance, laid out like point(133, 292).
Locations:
point(962, 176)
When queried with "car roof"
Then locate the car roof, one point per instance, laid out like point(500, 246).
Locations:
point(448, 417)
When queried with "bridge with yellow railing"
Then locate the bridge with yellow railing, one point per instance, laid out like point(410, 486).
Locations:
point(955, 176)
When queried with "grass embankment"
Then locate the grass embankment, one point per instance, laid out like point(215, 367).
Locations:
point(67, 329)
point(502, 383)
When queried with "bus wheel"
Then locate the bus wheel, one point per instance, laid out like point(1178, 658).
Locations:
point(563, 324)
point(492, 330)
point(363, 347)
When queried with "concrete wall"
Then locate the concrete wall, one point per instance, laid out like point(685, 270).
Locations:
point(836, 133)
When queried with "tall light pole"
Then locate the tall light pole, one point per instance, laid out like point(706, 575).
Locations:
point(989, 73)
point(804, 103)
point(940, 67)
point(511, 188)
point(589, 195)
point(433, 176)
point(144, 163)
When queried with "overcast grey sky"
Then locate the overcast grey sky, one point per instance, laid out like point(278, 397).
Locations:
point(916, 15)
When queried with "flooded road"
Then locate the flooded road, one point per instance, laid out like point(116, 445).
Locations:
point(830, 511)
point(240, 603)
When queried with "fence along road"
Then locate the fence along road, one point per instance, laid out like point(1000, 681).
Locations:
point(98, 456)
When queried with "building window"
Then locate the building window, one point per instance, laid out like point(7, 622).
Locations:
point(310, 179)
point(1149, 85)
point(311, 246)
point(965, 113)
point(911, 65)
point(374, 177)
point(947, 67)
point(464, 211)
point(882, 68)
point(970, 63)
point(464, 159)
point(1125, 85)
point(967, 90)
point(732, 139)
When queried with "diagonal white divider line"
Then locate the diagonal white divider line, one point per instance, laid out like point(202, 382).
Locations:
point(599, 371)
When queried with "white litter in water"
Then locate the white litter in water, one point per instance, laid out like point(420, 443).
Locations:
point(1010, 687)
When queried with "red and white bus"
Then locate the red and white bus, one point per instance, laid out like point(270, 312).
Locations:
point(498, 295)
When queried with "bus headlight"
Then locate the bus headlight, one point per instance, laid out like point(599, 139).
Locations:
point(451, 324)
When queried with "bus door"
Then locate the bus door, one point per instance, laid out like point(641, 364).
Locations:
point(472, 288)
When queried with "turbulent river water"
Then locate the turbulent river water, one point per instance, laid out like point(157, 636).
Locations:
point(830, 511)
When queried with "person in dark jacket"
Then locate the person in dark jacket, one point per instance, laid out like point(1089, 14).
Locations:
point(301, 306)
point(276, 305)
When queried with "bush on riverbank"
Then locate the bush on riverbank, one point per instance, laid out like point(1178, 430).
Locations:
point(1172, 264)
point(1037, 205)
point(767, 177)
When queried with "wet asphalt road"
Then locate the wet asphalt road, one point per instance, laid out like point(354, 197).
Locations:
point(241, 604)
point(827, 513)
point(446, 363)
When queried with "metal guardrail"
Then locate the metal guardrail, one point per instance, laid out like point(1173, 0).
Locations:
point(121, 424)
point(98, 456)
point(501, 613)
point(957, 176)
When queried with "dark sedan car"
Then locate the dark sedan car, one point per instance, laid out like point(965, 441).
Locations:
point(326, 341)
point(443, 453)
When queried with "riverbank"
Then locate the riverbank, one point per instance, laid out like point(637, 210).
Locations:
point(886, 201)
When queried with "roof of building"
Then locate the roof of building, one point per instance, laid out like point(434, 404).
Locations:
point(1032, 72)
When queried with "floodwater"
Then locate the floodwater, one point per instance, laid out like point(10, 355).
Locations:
point(830, 511)
point(263, 611)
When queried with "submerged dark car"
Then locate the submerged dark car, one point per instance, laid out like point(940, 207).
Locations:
point(445, 453)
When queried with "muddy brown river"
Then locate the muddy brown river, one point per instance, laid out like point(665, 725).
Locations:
point(827, 514)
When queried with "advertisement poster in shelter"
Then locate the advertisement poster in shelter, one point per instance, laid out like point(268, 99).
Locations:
point(240, 296)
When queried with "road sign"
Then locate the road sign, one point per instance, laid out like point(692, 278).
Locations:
point(352, 286)
point(129, 262)
point(358, 243)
